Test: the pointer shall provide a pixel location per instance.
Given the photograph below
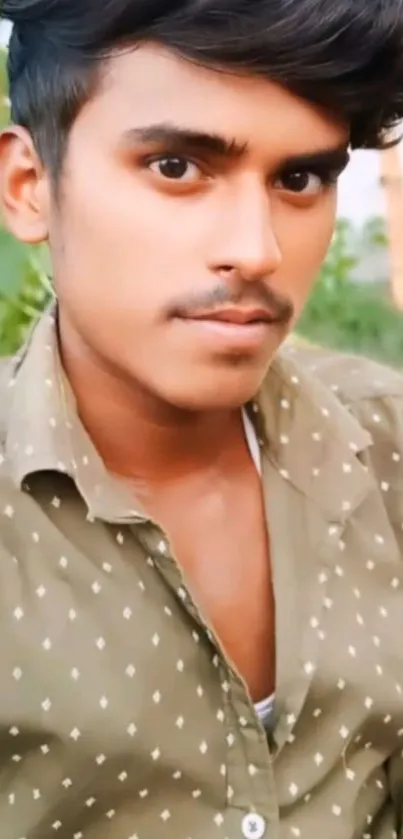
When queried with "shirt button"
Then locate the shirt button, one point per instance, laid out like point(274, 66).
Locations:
point(253, 826)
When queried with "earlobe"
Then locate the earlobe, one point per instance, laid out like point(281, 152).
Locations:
point(24, 187)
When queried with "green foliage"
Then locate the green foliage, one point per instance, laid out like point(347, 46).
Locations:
point(4, 109)
point(25, 290)
point(347, 315)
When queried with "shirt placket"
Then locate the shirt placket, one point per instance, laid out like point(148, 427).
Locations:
point(251, 807)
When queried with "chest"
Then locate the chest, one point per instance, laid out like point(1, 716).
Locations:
point(222, 548)
point(108, 664)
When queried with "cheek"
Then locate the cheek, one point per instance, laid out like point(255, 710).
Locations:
point(127, 238)
point(305, 236)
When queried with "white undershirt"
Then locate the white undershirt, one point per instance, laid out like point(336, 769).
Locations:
point(265, 708)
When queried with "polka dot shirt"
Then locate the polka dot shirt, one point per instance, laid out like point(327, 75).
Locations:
point(120, 718)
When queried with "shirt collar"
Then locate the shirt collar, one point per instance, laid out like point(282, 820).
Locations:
point(44, 432)
point(303, 429)
point(312, 439)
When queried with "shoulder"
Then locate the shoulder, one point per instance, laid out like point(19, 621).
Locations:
point(373, 394)
point(356, 381)
point(353, 378)
point(10, 491)
point(7, 373)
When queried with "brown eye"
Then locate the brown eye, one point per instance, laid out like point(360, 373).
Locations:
point(300, 183)
point(176, 169)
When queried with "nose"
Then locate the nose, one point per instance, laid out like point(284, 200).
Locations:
point(245, 244)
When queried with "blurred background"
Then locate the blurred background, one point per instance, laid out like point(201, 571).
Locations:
point(357, 304)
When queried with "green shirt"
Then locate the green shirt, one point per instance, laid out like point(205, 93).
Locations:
point(120, 717)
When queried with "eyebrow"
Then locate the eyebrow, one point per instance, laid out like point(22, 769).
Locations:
point(187, 140)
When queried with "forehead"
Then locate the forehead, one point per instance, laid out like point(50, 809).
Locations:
point(150, 84)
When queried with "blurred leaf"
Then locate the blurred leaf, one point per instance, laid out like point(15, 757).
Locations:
point(374, 234)
point(14, 261)
point(352, 316)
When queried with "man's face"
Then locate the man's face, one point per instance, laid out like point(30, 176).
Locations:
point(192, 224)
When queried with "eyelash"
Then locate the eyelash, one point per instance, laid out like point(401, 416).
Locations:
point(160, 158)
point(328, 177)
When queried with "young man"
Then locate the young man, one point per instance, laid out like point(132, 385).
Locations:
point(201, 604)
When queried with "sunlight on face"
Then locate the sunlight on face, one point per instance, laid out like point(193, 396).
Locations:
point(188, 193)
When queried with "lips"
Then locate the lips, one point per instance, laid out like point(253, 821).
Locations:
point(238, 317)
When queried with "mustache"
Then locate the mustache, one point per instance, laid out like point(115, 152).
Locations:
point(279, 306)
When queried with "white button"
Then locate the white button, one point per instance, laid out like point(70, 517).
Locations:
point(253, 826)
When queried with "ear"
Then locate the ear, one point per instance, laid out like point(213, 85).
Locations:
point(24, 187)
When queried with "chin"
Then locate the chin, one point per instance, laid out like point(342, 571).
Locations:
point(220, 391)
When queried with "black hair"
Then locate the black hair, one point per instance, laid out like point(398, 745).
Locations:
point(343, 55)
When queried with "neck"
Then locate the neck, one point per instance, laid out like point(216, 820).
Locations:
point(139, 437)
